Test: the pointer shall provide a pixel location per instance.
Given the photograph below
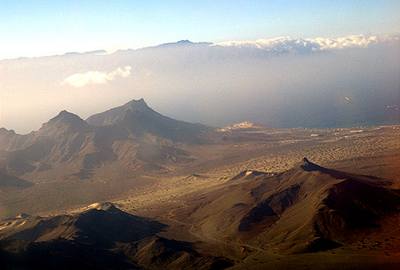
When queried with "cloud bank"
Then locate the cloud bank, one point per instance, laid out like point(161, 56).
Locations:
point(96, 77)
point(288, 44)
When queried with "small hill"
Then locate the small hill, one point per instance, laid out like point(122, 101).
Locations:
point(99, 225)
point(101, 237)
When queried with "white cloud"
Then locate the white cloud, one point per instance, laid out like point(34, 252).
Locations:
point(96, 77)
point(348, 100)
point(288, 44)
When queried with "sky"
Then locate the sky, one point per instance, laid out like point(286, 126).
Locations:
point(38, 28)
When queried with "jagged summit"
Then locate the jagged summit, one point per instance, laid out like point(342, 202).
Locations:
point(141, 100)
point(104, 206)
point(136, 105)
point(22, 216)
point(65, 119)
point(116, 115)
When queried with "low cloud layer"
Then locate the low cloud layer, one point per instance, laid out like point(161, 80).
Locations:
point(96, 77)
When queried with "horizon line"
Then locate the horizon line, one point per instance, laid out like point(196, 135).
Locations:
point(112, 51)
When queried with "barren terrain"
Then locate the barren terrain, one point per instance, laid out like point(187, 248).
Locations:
point(179, 197)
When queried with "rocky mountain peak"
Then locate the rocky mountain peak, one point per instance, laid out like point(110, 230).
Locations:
point(307, 165)
point(136, 105)
point(68, 120)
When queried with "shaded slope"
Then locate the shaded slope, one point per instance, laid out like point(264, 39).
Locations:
point(162, 253)
point(101, 237)
point(63, 139)
point(8, 181)
point(10, 141)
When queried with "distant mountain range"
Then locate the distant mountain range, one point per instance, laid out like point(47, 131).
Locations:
point(274, 45)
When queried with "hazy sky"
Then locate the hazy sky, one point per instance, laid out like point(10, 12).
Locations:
point(36, 27)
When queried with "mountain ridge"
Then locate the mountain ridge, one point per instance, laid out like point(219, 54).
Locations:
point(132, 135)
point(308, 208)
